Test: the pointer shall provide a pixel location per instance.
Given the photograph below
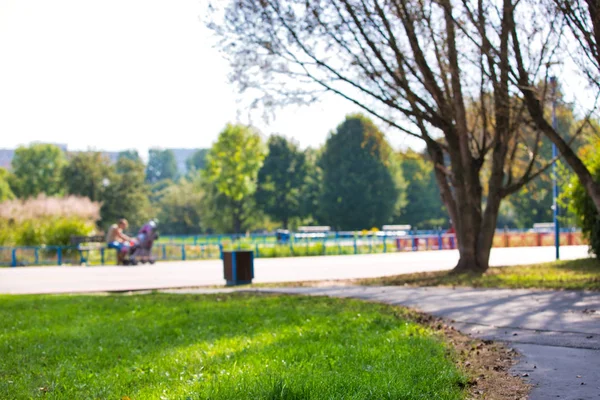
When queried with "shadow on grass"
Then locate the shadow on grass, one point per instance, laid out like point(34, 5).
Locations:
point(215, 346)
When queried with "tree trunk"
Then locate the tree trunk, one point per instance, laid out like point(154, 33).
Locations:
point(237, 220)
point(474, 246)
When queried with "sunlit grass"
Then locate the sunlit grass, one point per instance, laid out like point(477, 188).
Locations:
point(581, 274)
point(163, 346)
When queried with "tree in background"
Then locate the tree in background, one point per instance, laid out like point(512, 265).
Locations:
point(581, 203)
point(405, 65)
point(231, 172)
point(424, 208)
point(161, 165)
point(312, 186)
point(533, 203)
point(131, 155)
point(37, 169)
point(87, 174)
point(6, 192)
point(180, 208)
point(280, 181)
point(126, 195)
point(359, 189)
point(197, 161)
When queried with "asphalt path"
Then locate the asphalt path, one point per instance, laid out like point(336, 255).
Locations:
point(557, 333)
point(31, 280)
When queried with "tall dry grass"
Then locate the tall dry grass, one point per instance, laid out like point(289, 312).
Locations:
point(44, 207)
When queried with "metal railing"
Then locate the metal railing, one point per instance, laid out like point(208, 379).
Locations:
point(71, 255)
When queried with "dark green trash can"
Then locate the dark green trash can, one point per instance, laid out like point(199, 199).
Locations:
point(238, 267)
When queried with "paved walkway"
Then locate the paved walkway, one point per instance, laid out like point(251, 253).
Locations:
point(23, 280)
point(556, 332)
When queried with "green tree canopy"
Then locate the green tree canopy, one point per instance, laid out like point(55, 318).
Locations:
point(581, 204)
point(6, 192)
point(312, 186)
point(126, 195)
point(180, 208)
point(130, 154)
point(232, 168)
point(280, 181)
point(161, 165)
point(533, 202)
point(38, 169)
point(197, 161)
point(424, 208)
point(87, 174)
point(359, 181)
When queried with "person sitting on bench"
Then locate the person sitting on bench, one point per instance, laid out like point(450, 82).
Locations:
point(116, 239)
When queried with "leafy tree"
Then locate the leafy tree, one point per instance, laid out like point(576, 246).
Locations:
point(180, 208)
point(38, 169)
point(6, 192)
point(359, 187)
point(231, 172)
point(159, 189)
point(197, 161)
point(126, 195)
point(533, 202)
point(280, 181)
point(405, 65)
point(87, 174)
point(581, 203)
point(161, 165)
point(131, 155)
point(424, 208)
point(312, 186)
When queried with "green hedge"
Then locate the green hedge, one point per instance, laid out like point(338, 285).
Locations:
point(48, 231)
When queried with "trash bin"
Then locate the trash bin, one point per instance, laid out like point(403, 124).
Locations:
point(238, 267)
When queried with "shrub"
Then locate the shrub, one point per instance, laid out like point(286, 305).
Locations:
point(59, 232)
point(582, 205)
point(46, 220)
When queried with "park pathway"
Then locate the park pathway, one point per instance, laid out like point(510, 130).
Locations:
point(65, 279)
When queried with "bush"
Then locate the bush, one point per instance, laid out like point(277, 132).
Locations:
point(581, 204)
point(46, 220)
point(59, 232)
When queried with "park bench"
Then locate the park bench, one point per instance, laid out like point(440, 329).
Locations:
point(311, 232)
point(85, 244)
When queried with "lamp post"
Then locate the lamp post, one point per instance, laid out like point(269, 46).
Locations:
point(554, 183)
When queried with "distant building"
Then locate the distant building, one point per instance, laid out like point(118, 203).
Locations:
point(181, 156)
point(6, 156)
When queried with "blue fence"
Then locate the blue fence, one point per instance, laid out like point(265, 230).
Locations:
point(69, 255)
point(298, 236)
point(182, 248)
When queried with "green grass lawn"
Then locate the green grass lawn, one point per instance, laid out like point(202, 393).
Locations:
point(239, 346)
point(581, 274)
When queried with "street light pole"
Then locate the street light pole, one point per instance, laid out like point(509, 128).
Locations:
point(554, 173)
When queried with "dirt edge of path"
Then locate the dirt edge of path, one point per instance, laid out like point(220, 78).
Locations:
point(487, 363)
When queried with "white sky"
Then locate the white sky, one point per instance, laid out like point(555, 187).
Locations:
point(118, 74)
